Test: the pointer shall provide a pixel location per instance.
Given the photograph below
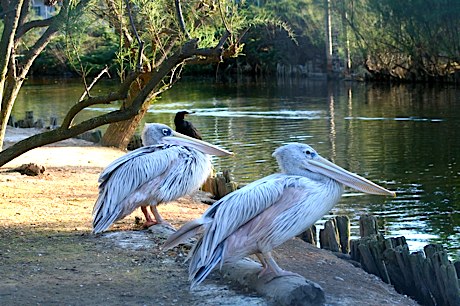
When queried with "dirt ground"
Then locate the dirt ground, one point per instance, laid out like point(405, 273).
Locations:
point(48, 255)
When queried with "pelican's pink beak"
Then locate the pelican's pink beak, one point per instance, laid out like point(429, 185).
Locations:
point(200, 145)
point(325, 167)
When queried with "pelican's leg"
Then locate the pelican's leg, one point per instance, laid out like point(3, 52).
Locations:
point(148, 219)
point(272, 270)
point(158, 218)
point(263, 262)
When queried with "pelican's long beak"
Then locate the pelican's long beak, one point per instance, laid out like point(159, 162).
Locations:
point(200, 145)
point(325, 167)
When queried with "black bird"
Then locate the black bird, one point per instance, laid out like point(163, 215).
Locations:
point(185, 127)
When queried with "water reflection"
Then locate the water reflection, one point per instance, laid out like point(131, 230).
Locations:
point(402, 137)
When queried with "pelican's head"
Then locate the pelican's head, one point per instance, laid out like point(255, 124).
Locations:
point(156, 133)
point(297, 158)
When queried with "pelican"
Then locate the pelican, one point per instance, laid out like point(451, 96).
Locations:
point(168, 166)
point(264, 214)
point(185, 127)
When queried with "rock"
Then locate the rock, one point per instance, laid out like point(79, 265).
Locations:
point(92, 136)
point(162, 231)
point(12, 121)
point(220, 185)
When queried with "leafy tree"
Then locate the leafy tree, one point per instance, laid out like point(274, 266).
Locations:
point(156, 39)
point(294, 34)
point(408, 40)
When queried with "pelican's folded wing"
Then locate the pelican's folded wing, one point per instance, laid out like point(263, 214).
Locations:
point(123, 176)
point(237, 208)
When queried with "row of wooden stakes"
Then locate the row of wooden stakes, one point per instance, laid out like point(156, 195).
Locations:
point(428, 276)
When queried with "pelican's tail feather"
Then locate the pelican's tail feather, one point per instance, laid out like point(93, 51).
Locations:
point(187, 231)
point(198, 270)
point(103, 217)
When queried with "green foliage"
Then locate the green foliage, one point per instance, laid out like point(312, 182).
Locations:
point(283, 31)
point(411, 39)
point(86, 45)
point(305, 17)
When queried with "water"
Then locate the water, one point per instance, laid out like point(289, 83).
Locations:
point(405, 138)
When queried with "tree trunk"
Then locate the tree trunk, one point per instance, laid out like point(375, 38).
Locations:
point(6, 48)
point(345, 38)
point(10, 94)
point(327, 17)
point(119, 134)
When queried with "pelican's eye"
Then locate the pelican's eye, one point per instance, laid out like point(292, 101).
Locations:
point(165, 132)
point(310, 153)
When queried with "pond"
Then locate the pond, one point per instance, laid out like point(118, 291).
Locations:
point(403, 137)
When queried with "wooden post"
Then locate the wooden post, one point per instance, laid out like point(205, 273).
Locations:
point(309, 235)
point(329, 237)
point(368, 226)
point(343, 228)
point(220, 185)
point(53, 122)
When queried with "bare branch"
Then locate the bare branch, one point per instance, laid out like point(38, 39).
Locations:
point(223, 39)
point(180, 18)
point(222, 16)
point(24, 13)
point(121, 94)
point(167, 51)
point(88, 88)
point(189, 50)
point(26, 27)
point(139, 41)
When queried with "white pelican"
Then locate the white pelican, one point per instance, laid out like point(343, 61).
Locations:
point(264, 214)
point(168, 166)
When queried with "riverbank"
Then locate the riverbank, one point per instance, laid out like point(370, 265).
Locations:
point(49, 256)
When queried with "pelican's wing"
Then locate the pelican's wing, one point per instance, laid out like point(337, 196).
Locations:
point(123, 176)
point(113, 166)
point(237, 208)
point(229, 213)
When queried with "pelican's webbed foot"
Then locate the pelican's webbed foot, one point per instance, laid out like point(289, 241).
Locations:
point(271, 269)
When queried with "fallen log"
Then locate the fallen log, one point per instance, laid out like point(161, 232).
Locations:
point(29, 169)
point(283, 291)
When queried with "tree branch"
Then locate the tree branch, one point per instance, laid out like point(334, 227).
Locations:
point(180, 18)
point(88, 88)
point(167, 50)
point(116, 21)
point(139, 41)
point(121, 94)
point(26, 27)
